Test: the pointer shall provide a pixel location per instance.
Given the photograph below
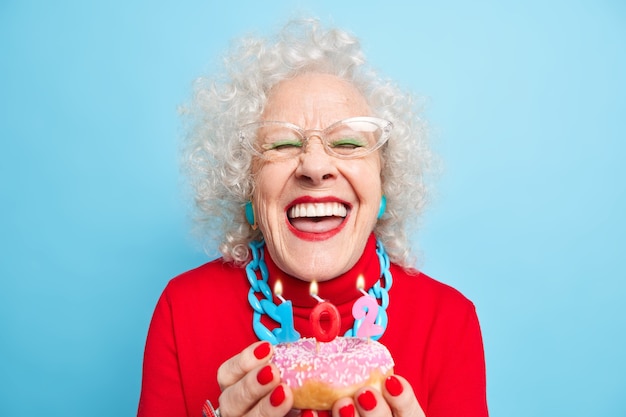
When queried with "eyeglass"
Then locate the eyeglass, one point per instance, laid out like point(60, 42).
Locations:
point(350, 138)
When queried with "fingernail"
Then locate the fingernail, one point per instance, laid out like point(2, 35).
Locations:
point(323, 413)
point(367, 400)
point(346, 411)
point(262, 350)
point(278, 396)
point(307, 413)
point(265, 375)
point(394, 386)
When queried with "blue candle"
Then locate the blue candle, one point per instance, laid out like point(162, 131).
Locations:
point(287, 333)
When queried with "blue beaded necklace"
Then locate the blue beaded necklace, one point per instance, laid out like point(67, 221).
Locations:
point(265, 304)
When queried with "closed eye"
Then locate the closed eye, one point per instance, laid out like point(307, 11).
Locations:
point(282, 144)
point(348, 143)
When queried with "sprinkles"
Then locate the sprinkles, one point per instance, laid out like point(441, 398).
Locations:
point(342, 362)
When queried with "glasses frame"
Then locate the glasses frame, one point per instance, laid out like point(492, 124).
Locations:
point(306, 134)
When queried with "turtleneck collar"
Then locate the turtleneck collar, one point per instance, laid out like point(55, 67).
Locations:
point(339, 290)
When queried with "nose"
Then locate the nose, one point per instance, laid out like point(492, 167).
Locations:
point(315, 166)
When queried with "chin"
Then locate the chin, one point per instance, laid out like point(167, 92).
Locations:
point(320, 258)
point(320, 269)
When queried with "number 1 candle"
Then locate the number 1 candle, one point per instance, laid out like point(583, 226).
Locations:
point(287, 333)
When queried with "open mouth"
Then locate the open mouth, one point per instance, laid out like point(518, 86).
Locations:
point(317, 217)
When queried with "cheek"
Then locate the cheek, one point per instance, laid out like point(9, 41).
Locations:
point(270, 181)
point(261, 214)
point(366, 179)
point(271, 175)
point(266, 180)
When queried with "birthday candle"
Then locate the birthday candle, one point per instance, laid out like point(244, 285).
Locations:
point(325, 319)
point(366, 309)
point(287, 333)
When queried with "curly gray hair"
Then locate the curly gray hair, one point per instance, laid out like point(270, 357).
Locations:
point(220, 170)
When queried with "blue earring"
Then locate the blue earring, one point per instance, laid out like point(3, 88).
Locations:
point(250, 215)
point(383, 206)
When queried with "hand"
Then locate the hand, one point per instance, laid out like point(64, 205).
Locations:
point(251, 385)
point(397, 400)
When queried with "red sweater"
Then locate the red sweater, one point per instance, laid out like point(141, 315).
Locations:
point(203, 318)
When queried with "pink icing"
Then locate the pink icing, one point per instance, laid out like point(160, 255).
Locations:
point(341, 362)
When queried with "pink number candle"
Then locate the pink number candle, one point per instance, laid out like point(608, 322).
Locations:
point(366, 308)
point(325, 319)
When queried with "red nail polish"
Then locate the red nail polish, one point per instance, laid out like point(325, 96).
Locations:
point(324, 413)
point(265, 375)
point(346, 411)
point(278, 396)
point(307, 413)
point(262, 350)
point(394, 386)
point(367, 400)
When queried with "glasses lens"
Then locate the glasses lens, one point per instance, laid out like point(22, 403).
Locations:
point(272, 140)
point(353, 138)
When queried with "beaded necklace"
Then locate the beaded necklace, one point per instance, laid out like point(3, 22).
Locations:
point(265, 304)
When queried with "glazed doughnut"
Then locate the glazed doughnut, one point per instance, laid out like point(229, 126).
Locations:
point(321, 373)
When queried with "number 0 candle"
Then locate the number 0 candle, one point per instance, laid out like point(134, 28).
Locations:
point(325, 319)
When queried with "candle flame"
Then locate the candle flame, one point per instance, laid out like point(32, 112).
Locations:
point(278, 288)
point(360, 282)
point(313, 289)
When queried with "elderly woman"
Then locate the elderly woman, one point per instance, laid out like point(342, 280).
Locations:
point(308, 167)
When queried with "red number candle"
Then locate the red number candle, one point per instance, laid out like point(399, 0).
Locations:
point(325, 319)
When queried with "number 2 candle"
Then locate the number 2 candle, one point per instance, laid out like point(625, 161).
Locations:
point(366, 309)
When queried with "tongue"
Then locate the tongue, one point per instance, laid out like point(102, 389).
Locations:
point(316, 224)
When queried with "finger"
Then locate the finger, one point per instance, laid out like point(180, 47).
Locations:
point(370, 403)
point(318, 413)
point(251, 390)
point(344, 408)
point(294, 413)
point(400, 396)
point(239, 365)
point(277, 403)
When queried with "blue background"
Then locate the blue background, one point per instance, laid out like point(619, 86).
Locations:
point(526, 100)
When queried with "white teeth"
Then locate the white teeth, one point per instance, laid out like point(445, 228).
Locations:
point(318, 210)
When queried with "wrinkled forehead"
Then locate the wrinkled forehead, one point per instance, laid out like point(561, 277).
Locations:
point(314, 101)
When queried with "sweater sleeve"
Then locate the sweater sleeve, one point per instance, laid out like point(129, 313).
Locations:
point(459, 389)
point(161, 390)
